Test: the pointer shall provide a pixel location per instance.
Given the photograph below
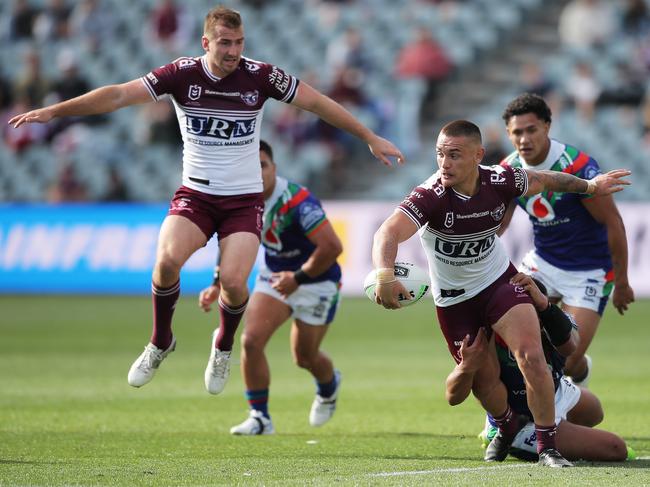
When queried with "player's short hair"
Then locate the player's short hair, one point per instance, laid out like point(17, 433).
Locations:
point(527, 103)
point(266, 147)
point(221, 15)
point(462, 128)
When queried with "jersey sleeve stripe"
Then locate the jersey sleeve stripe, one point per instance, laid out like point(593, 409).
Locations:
point(146, 84)
point(408, 213)
point(291, 93)
point(318, 226)
point(578, 163)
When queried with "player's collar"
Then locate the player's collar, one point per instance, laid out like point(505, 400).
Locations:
point(281, 185)
point(554, 152)
point(206, 68)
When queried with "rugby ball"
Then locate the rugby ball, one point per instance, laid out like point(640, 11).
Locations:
point(415, 280)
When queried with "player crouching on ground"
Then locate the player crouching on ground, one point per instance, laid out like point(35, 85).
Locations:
point(577, 410)
point(300, 279)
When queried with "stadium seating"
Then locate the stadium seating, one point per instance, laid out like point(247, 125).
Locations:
point(295, 35)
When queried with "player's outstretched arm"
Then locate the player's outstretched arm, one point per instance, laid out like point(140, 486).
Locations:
point(102, 100)
point(603, 184)
point(333, 113)
point(604, 211)
point(328, 248)
point(459, 381)
point(395, 230)
point(211, 293)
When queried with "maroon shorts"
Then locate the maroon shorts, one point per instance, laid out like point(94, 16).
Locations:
point(222, 215)
point(483, 310)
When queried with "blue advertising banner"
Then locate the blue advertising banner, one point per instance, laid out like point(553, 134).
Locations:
point(88, 249)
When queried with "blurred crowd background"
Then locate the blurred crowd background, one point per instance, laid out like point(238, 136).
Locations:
point(404, 67)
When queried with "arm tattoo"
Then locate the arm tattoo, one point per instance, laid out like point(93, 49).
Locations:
point(558, 181)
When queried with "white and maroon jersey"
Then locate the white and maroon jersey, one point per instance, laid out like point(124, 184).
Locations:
point(458, 232)
point(220, 119)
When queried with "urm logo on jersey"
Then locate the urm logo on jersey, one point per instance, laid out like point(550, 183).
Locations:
point(466, 248)
point(219, 127)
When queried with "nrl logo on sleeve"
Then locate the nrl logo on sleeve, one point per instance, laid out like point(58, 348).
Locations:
point(250, 97)
point(194, 92)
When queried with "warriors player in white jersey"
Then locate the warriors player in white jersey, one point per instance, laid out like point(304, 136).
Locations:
point(218, 100)
point(457, 212)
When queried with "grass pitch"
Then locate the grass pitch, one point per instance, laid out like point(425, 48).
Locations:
point(68, 417)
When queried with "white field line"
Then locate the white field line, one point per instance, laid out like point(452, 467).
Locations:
point(460, 469)
point(449, 470)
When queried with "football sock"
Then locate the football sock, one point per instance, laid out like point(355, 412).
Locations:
point(506, 422)
point(259, 401)
point(326, 389)
point(230, 318)
point(545, 437)
point(164, 302)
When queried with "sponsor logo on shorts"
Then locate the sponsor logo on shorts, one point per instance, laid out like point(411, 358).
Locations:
point(182, 204)
point(151, 77)
point(259, 223)
point(520, 292)
point(194, 92)
point(590, 291)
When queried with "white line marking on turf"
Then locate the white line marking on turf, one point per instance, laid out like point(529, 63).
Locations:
point(642, 458)
point(446, 470)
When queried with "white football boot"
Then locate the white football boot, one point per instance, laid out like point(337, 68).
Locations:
point(145, 366)
point(218, 369)
point(255, 424)
point(322, 409)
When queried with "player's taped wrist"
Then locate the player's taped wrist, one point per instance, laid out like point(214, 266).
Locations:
point(557, 324)
point(301, 276)
point(385, 275)
point(216, 276)
point(591, 186)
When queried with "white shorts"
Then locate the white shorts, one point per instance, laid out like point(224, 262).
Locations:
point(566, 397)
point(315, 304)
point(582, 289)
